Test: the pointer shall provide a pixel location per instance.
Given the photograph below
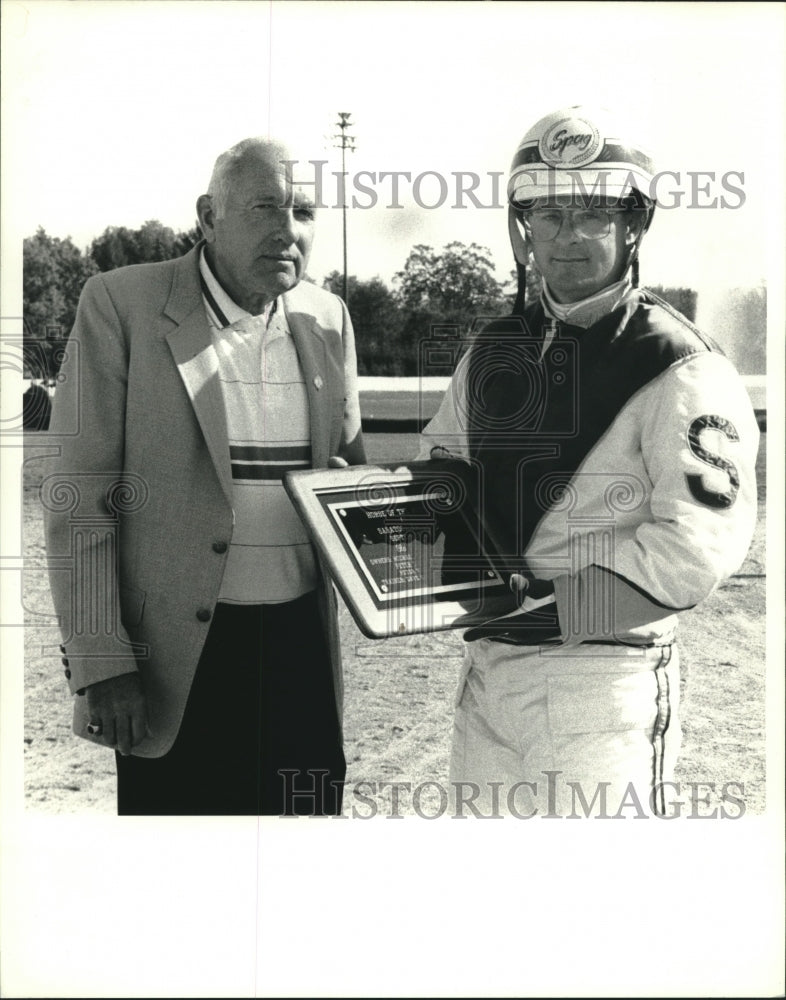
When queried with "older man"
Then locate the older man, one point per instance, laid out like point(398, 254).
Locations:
point(616, 446)
point(199, 633)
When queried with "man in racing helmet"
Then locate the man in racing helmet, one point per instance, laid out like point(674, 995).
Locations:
point(614, 446)
point(566, 169)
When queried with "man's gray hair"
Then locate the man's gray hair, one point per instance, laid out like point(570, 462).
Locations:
point(227, 165)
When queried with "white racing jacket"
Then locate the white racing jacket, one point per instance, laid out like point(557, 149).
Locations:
point(617, 461)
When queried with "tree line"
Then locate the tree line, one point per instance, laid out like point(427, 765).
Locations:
point(438, 293)
point(54, 269)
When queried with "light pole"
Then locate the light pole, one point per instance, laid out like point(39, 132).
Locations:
point(344, 142)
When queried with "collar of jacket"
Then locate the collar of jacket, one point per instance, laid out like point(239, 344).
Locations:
point(195, 356)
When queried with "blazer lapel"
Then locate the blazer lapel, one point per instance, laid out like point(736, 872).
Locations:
point(197, 361)
point(312, 353)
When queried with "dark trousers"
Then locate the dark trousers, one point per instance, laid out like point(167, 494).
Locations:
point(260, 735)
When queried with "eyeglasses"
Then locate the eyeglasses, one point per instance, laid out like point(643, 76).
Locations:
point(544, 224)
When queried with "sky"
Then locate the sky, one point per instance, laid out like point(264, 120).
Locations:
point(113, 113)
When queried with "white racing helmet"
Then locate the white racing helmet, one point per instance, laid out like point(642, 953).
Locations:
point(582, 153)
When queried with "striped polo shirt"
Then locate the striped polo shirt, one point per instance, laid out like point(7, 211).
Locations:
point(270, 559)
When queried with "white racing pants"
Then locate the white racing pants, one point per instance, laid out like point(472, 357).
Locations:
point(590, 730)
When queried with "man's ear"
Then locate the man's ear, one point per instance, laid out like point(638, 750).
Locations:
point(206, 216)
point(634, 223)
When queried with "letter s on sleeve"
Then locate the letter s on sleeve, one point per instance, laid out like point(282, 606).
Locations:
point(709, 497)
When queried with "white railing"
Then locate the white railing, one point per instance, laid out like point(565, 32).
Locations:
point(755, 384)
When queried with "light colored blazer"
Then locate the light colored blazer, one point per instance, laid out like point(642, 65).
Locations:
point(138, 502)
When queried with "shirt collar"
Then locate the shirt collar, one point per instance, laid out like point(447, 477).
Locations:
point(588, 311)
point(222, 309)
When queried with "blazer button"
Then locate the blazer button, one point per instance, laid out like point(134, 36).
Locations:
point(68, 675)
point(62, 649)
point(64, 661)
point(204, 615)
point(219, 547)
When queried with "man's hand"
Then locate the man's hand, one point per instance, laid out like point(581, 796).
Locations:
point(438, 453)
point(118, 706)
point(533, 620)
point(337, 462)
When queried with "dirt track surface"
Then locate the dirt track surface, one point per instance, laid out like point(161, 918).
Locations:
point(398, 710)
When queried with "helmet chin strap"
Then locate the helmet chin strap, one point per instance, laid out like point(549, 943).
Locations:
point(521, 291)
point(633, 258)
point(633, 264)
point(633, 261)
point(521, 254)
